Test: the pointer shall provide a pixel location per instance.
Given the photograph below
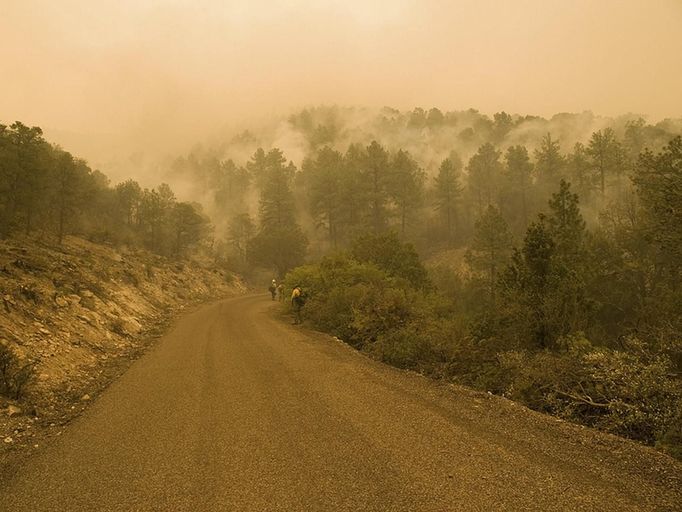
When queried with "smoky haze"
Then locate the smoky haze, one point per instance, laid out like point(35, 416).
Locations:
point(111, 79)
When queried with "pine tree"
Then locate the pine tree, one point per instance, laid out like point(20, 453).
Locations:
point(545, 285)
point(606, 154)
point(257, 167)
point(634, 139)
point(519, 170)
point(406, 186)
point(659, 185)
point(155, 210)
point(67, 191)
point(376, 175)
point(502, 125)
point(128, 198)
point(447, 191)
point(354, 192)
point(188, 227)
point(280, 242)
point(230, 185)
point(579, 170)
point(484, 175)
point(324, 177)
point(276, 204)
point(27, 172)
point(549, 164)
point(490, 247)
point(566, 224)
point(527, 282)
point(240, 232)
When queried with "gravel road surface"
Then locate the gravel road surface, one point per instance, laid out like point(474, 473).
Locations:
point(237, 410)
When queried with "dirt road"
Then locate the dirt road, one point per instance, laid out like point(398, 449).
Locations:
point(236, 410)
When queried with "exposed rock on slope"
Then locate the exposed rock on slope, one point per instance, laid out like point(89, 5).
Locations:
point(76, 313)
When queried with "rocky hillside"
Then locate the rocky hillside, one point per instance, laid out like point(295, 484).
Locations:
point(71, 319)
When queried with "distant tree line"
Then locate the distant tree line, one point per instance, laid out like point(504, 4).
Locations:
point(44, 189)
point(342, 191)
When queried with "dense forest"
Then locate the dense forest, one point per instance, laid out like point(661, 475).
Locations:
point(537, 259)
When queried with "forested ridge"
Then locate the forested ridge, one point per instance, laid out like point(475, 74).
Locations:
point(48, 191)
point(537, 259)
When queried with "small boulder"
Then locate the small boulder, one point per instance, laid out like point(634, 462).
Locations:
point(85, 397)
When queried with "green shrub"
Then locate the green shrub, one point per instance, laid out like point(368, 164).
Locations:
point(618, 392)
point(380, 310)
point(333, 289)
point(394, 257)
point(417, 346)
point(333, 313)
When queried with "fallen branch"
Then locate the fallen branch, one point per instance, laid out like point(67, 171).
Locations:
point(584, 400)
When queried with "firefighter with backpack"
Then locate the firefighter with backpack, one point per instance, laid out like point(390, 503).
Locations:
point(297, 302)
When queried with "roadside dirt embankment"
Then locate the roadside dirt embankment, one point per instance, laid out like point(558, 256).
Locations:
point(75, 315)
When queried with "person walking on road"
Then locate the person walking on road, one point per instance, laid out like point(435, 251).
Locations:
point(297, 303)
point(273, 289)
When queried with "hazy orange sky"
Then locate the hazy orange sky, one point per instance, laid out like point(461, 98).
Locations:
point(172, 70)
